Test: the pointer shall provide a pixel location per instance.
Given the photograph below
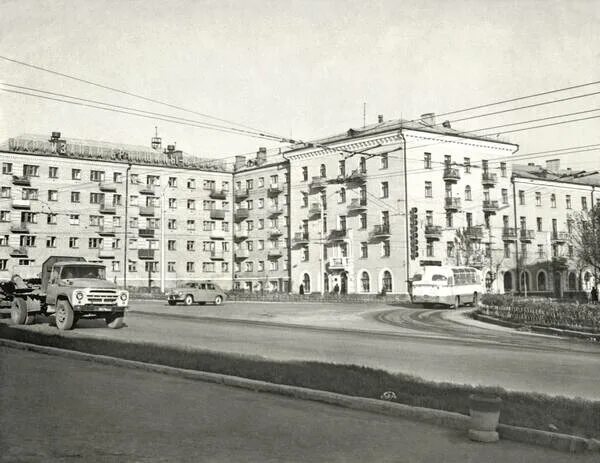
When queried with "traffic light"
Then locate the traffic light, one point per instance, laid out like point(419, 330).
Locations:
point(414, 233)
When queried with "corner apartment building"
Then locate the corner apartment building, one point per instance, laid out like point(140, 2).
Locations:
point(149, 214)
point(371, 207)
point(261, 223)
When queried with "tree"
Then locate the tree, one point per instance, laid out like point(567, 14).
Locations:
point(585, 237)
point(468, 251)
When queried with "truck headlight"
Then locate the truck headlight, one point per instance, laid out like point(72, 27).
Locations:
point(124, 296)
point(79, 296)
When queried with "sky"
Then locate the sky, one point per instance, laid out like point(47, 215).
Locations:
point(300, 69)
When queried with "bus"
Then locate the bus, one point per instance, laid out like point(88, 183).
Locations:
point(453, 286)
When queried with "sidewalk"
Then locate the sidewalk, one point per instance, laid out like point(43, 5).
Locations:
point(156, 417)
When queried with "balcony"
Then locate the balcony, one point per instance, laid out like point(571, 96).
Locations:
point(300, 238)
point(314, 210)
point(217, 234)
point(318, 183)
point(21, 227)
point(275, 189)
point(338, 234)
point(146, 232)
point(148, 189)
point(275, 233)
point(357, 205)
point(240, 194)
point(146, 254)
point(527, 236)
point(241, 254)
point(241, 235)
point(488, 179)
point(451, 175)
point(241, 214)
point(380, 232)
point(217, 214)
point(474, 233)
point(356, 176)
point(433, 232)
point(452, 204)
point(107, 209)
point(275, 253)
point(106, 253)
point(559, 237)
point(217, 255)
point(490, 207)
point(108, 187)
point(477, 261)
point(218, 194)
point(18, 252)
point(509, 234)
point(21, 180)
point(147, 211)
point(338, 263)
point(21, 204)
point(106, 230)
point(275, 210)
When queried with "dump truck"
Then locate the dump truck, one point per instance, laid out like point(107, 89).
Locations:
point(70, 289)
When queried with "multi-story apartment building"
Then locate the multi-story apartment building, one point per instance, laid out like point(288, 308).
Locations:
point(540, 250)
point(370, 207)
point(149, 214)
point(261, 223)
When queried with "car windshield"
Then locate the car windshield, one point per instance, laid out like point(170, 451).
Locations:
point(83, 271)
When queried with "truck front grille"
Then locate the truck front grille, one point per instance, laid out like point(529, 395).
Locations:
point(102, 296)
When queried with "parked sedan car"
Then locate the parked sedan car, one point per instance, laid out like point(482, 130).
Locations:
point(197, 292)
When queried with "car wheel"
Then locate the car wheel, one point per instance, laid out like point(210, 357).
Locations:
point(172, 302)
point(456, 303)
point(65, 317)
point(218, 300)
point(189, 300)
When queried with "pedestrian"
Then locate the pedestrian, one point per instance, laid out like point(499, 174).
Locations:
point(336, 289)
point(301, 289)
point(594, 294)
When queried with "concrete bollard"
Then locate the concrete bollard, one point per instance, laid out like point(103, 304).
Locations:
point(485, 414)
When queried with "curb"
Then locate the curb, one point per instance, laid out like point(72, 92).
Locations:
point(537, 328)
point(457, 421)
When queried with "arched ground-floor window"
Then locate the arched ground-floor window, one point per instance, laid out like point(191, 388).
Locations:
point(541, 281)
point(386, 282)
point(365, 282)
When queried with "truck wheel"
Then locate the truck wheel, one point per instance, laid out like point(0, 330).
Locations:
point(65, 317)
point(189, 300)
point(115, 322)
point(18, 311)
point(218, 300)
point(172, 302)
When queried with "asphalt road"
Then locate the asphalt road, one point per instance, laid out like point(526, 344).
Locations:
point(62, 410)
point(436, 348)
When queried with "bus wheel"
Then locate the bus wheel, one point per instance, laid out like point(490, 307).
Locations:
point(189, 300)
point(456, 303)
point(475, 299)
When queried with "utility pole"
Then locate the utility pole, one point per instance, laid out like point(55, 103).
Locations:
point(126, 238)
point(406, 227)
point(322, 244)
point(162, 242)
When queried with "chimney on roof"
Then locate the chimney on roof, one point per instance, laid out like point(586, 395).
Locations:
point(446, 124)
point(55, 135)
point(170, 148)
point(553, 165)
point(428, 119)
point(261, 156)
point(380, 119)
point(240, 162)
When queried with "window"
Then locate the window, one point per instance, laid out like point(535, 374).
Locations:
point(134, 179)
point(521, 197)
point(468, 193)
point(385, 248)
point(117, 177)
point(224, 266)
point(261, 266)
point(429, 249)
point(96, 176)
point(323, 171)
point(538, 198)
point(384, 161)
point(571, 251)
point(189, 266)
point(304, 173)
point(503, 169)
point(172, 224)
point(172, 203)
point(7, 168)
point(450, 249)
point(52, 195)
point(4, 216)
point(305, 254)
point(584, 203)
point(365, 282)
point(304, 199)
point(75, 174)
point(94, 243)
point(208, 267)
point(29, 193)
point(191, 204)
point(539, 224)
point(428, 190)
point(363, 220)
point(540, 251)
point(3, 264)
point(27, 241)
point(449, 221)
point(504, 196)
point(364, 250)
point(385, 189)
point(117, 200)
point(506, 250)
point(553, 200)
point(51, 242)
point(568, 201)
point(31, 170)
point(191, 225)
point(342, 168)
point(73, 242)
point(427, 160)
point(51, 219)
point(261, 224)
point(53, 172)
point(249, 184)
point(75, 196)
point(74, 219)
point(261, 203)
point(191, 184)
point(342, 194)
point(467, 164)
point(96, 198)
point(172, 182)
point(171, 246)
point(191, 245)
point(5, 192)
point(209, 185)
point(116, 244)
